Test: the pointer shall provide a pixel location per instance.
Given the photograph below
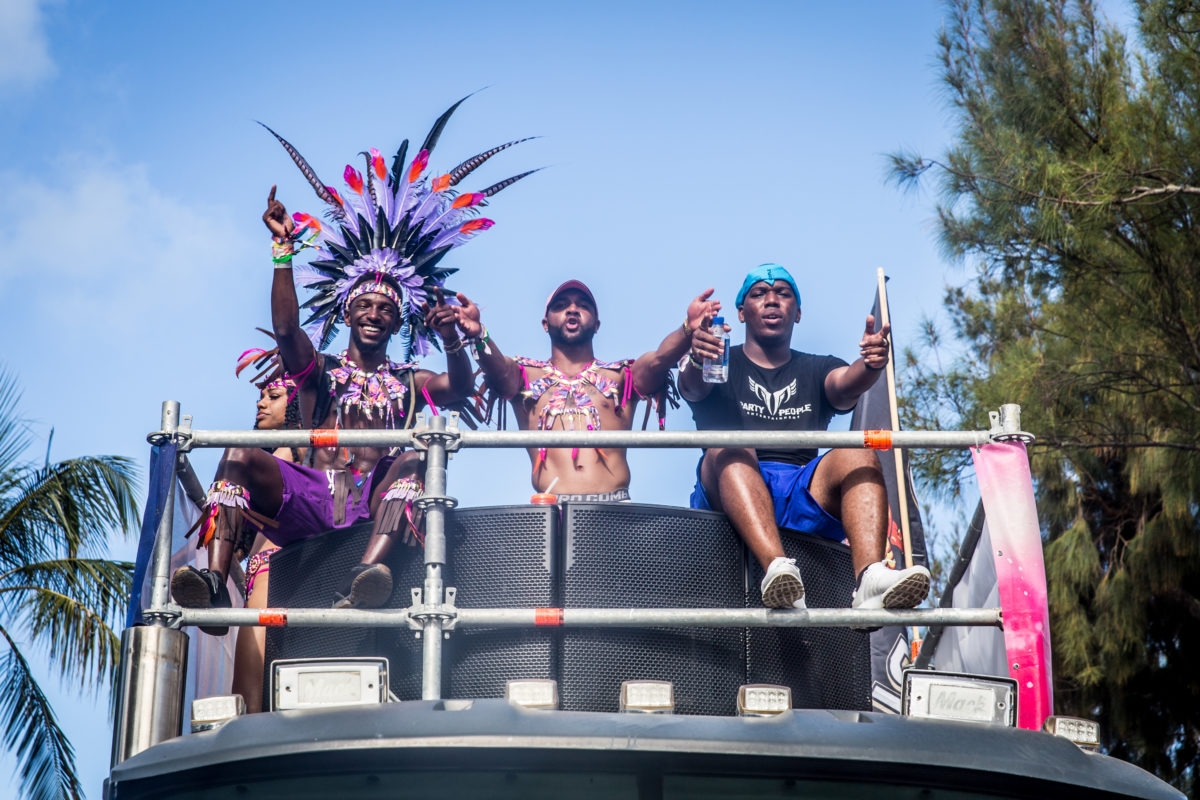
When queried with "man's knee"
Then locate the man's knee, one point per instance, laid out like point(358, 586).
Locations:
point(721, 458)
point(722, 465)
point(255, 469)
point(858, 466)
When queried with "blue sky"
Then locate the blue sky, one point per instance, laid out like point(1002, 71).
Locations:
point(683, 144)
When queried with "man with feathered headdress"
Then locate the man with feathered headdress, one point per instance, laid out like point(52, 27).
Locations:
point(377, 271)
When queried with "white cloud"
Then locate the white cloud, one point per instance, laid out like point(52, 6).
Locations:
point(104, 230)
point(24, 51)
point(116, 277)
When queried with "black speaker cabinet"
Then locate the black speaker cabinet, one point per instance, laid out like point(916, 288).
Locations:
point(498, 557)
point(825, 667)
point(501, 557)
point(588, 555)
point(306, 575)
point(625, 555)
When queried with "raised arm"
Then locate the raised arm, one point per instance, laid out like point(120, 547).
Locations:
point(502, 374)
point(705, 344)
point(295, 348)
point(844, 385)
point(458, 381)
point(651, 369)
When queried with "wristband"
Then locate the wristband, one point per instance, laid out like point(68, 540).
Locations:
point(685, 329)
point(480, 342)
point(452, 347)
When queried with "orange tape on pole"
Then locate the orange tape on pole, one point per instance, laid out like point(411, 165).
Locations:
point(326, 437)
point(273, 618)
point(548, 617)
point(877, 440)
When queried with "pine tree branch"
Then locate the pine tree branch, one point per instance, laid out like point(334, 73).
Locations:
point(1137, 193)
point(1114, 444)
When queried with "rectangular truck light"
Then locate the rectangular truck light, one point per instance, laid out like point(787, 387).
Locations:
point(952, 695)
point(326, 682)
point(648, 697)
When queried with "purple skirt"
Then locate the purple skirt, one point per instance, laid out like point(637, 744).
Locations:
point(307, 507)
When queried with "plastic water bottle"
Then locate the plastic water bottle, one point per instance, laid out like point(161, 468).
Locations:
point(717, 370)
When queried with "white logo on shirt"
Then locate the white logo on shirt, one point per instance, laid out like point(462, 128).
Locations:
point(773, 400)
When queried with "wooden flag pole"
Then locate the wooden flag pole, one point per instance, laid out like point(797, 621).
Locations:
point(901, 474)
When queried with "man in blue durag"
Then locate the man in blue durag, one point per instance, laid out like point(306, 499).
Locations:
point(839, 495)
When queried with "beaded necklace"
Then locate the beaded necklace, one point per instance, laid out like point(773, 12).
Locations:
point(569, 398)
point(378, 392)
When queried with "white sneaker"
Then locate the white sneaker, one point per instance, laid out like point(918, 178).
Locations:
point(781, 586)
point(880, 587)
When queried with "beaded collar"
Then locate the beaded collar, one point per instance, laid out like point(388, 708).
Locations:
point(379, 392)
point(562, 389)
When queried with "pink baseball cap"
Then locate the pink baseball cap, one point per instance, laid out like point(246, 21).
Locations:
point(572, 284)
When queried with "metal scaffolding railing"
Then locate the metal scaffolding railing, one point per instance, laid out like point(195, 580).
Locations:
point(433, 613)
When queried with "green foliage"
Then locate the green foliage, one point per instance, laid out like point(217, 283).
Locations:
point(1071, 197)
point(57, 593)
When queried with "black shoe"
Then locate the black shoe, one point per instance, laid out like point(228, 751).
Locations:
point(369, 586)
point(201, 588)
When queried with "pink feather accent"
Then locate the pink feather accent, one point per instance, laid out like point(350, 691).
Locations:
point(353, 179)
point(247, 358)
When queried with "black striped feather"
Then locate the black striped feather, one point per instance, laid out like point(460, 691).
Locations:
point(309, 173)
point(507, 182)
point(474, 162)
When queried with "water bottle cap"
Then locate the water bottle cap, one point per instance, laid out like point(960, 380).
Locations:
point(718, 321)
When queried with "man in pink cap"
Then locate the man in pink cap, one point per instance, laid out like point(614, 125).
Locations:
point(575, 391)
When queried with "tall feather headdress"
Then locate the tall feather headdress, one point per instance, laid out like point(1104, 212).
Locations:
point(389, 232)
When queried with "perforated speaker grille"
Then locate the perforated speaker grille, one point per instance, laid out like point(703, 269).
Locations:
point(501, 557)
point(826, 667)
point(611, 555)
point(305, 575)
point(628, 556)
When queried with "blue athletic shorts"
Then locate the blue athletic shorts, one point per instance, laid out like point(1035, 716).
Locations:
point(795, 508)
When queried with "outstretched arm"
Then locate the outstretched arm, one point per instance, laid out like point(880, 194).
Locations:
point(651, 369)
point(502, 374)
point(843, 386)
point(458, 381)
point(706, 343)
point(295, 348)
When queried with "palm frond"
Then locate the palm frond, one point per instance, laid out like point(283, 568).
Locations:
point(45, 759)
point(67, 508)
point(14, 437)
point(70, 607)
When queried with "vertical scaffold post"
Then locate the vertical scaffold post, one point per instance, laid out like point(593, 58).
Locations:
point(149, 694)
point(435, 557)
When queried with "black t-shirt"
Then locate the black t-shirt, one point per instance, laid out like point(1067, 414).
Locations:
point(787, 398)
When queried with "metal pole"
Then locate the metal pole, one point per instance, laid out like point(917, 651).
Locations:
point(160, 559)
point(435, 554)
point(686, 440)
point(149, 696)
point(456, 618)
point(153, 664)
